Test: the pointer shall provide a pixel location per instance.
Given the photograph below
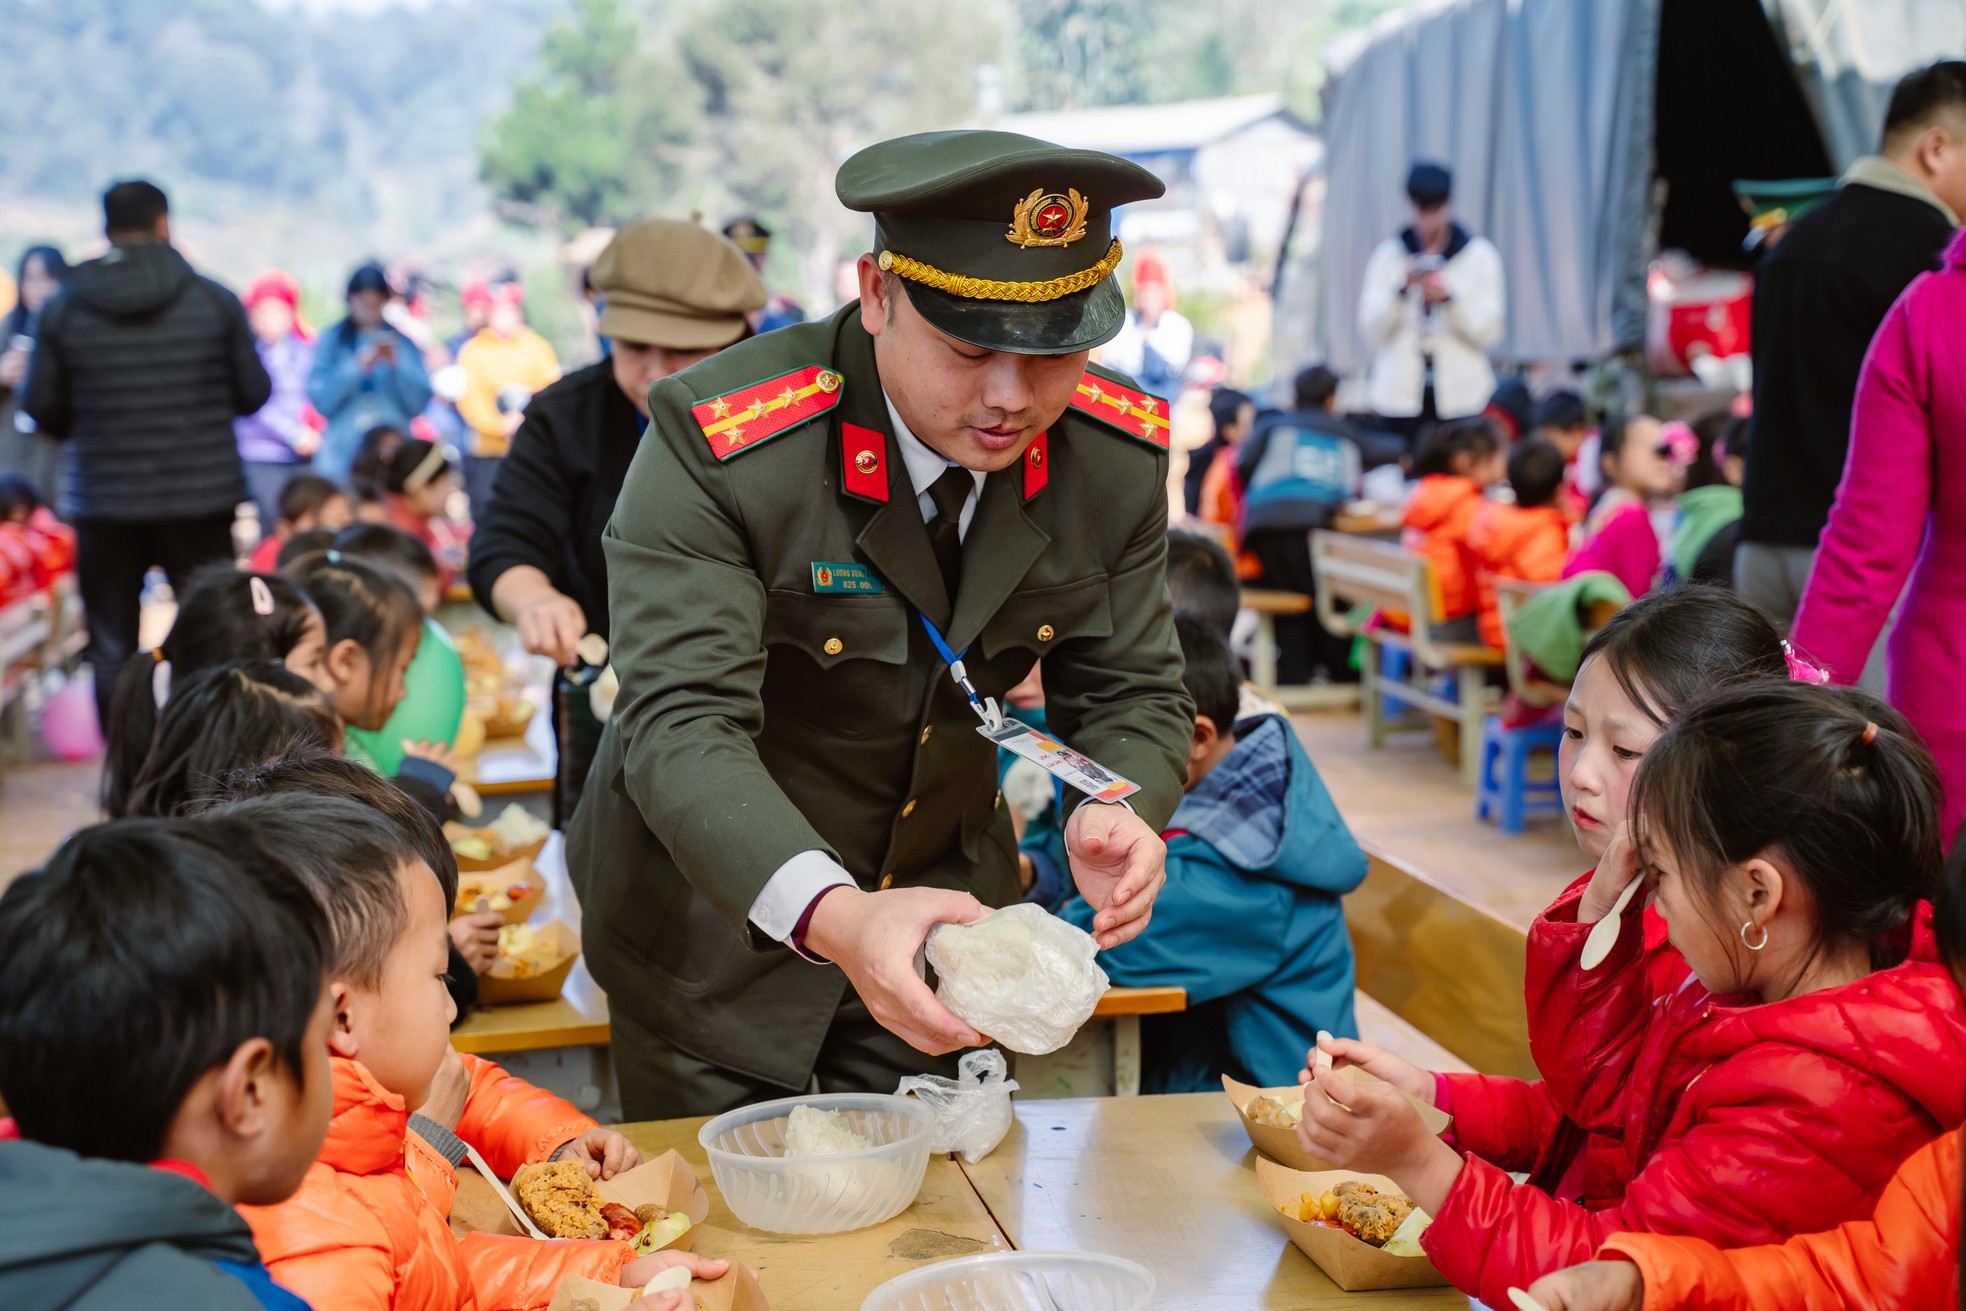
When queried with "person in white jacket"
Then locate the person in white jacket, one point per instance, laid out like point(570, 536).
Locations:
point(1431, 307)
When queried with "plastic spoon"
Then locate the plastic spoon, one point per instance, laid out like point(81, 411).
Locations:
point(1322, 1060)
point(1524, 1302)
point(1604, 934)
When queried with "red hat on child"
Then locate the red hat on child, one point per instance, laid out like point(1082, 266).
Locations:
point(273, 284)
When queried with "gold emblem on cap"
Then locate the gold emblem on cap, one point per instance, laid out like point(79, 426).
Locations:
point(829, 381)
point(1048, 219)
point(866, 462)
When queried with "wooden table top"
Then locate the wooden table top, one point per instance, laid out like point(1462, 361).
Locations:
point(1169, 1182)
point(834, 1272)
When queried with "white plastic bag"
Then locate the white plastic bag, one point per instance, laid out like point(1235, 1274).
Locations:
point(972, 1111)
point(1020, 975)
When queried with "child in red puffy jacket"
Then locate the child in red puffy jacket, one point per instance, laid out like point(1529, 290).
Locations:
point(1809, 1040)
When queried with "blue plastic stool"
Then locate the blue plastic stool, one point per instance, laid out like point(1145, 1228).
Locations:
point(1504, 789)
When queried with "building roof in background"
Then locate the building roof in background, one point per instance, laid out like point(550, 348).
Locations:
point(1150, 129)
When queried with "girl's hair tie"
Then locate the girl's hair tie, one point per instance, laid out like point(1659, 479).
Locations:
point(1870, 732)
point(1801, 670)
point(262, 596)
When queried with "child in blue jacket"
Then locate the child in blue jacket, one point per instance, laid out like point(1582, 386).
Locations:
point(1249, 922)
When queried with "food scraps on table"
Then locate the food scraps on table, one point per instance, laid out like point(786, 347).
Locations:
point(475, 898)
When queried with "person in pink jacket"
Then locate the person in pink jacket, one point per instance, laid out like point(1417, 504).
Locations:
point(1901, 510)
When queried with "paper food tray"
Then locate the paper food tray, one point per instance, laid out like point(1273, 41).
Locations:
point(1353, 1265)
point(1282, 1145)
point(470, 887)
point(737, 1291)
point(495, 989)
point(667, 1182)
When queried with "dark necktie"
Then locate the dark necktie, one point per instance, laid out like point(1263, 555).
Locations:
point(949, 492)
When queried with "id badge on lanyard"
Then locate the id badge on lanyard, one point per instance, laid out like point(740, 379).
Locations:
point(1047, 753)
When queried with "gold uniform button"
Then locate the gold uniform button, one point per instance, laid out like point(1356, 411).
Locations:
point(1046, 632)
point(834, 646)
point(828, 381)
point(887, 881)
point(907, 810)
point(926, 732)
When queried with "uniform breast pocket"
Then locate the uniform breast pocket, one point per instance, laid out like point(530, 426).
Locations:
point(1046, 618)
point(832, 660)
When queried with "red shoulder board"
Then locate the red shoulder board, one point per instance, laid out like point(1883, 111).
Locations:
point(751, 416)
point(1134, 413)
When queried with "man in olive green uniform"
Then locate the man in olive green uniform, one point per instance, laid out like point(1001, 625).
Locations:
point(818, 520)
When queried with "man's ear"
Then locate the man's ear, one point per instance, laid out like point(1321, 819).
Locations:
point(341, 1035)
point(245, 1087)
point(873, 296)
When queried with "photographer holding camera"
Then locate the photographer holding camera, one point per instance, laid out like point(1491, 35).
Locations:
point(1431, 307)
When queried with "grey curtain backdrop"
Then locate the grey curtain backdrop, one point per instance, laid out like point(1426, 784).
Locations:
point(1544, 110)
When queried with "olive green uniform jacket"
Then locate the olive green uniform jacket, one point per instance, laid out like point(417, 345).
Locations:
point(761, 716)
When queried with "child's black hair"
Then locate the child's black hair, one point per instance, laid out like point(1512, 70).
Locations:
point(1670, 647)
point(410, 457)
point(1475, 439)
point(1535, 472)
point(221, 720)
point(1201, 580)
point(1562, 410)
point(317, 773)
point(360, 602)
point(311, 541)
point(367, 472)
point(1709, 454)
point(1314, 387)
point(1832, 781)
point(390, 547)
point(143, 954)
point(347, 854)
point(1225, 407)
point(18, 497)
point(305, 494)
point(218, 620)
point(1212, 676)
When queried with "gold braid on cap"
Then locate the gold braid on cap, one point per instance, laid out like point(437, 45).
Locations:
point(957, 284)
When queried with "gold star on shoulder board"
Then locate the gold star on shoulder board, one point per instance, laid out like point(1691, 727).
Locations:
point(720, 407)
point(1150, 405)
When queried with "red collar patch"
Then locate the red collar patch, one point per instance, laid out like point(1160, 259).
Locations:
point(741, 420)
point(1037, 465)
point(1135, 413)
point(863, 458)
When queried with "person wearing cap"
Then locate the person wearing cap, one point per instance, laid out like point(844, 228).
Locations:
point(792, 791)
point(504, 364)
point(1431, 307)
point(754, 239)
point(366, 375)
point(277, 440)
point(673, 295)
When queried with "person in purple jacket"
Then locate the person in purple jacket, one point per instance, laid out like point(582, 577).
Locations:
point(276, 440)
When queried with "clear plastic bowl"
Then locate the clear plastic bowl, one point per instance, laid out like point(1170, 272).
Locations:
point(1019, 1281)
point(819, 1194)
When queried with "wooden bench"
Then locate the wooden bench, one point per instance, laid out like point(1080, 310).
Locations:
point(1357, 573)
point(1266, 604)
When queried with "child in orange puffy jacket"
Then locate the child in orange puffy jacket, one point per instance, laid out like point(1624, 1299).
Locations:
point(1904, 1258)
point(363, 1233)
point(1527, 541)
point(1457, 464)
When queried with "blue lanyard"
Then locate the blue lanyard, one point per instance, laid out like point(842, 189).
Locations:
point(954, 659)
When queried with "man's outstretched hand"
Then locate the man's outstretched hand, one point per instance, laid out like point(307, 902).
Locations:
point(1120, 864)
point(874, 936)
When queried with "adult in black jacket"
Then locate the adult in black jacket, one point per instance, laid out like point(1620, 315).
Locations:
point(140, 367)
point(671, 294)
point(1818, 298)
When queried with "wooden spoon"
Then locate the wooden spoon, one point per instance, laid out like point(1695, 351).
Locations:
point(1604, 934)
point(1524, 1302)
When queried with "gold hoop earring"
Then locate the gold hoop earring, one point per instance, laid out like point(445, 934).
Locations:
point(1753, 946)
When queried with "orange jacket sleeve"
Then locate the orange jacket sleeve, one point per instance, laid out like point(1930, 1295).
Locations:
point(511, 1122)
point(520, 1274)
point(1902, 1257)
point(1543, 555)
